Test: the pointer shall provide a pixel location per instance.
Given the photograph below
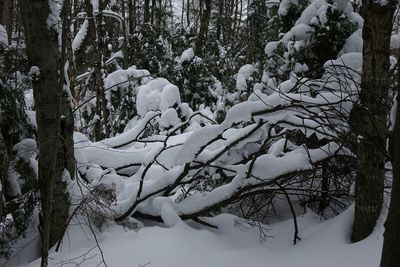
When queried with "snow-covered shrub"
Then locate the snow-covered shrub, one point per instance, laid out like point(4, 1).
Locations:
point(18, 163)
point(318, 35)
point(120, 91)
point(150, 48)
point(122, 88)
point(19, 190)
point(194, 80)
point(277, 141)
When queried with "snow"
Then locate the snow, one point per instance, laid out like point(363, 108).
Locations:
point(285, 5)
point(195, 142)
point(235, 244)
point(3, 37)
point(54, 20)
point(395, 41)
point(169, 118)
point(244, 75)
point(156, 166)
point(187, 55)
point(25, 149)
point(270, 48)
point(80, 36)
point(353, 44)
point(298, 33)
point(158, 94)
point(121, 77)
point(341, 4)
point(350, 60)
point(34, 72)
point(315, 10)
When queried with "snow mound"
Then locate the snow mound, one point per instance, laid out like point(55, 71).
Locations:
point(244, 75)
point(187, 55)
point(158, 94)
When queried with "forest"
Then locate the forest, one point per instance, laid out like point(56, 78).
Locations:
point(200, 133)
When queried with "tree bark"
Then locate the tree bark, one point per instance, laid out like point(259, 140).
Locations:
point(43, 52)
point(391, 248)
point(205, 20)
point(188, 13)
point(146, 12)
point(220, 16)
point(99, 71)
point(130, 17)
point(368, 117)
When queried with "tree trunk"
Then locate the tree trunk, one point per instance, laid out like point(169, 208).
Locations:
point(96, 33)
point(205, 20)
point(220, 16)
point(130, 17)
point(43, 52)
point(368, 117)
point(182, 16)
point(188, 12)
point(146, 12)
point(67, 157)
point(391, 248)
point(125, 35)
point(99, 70)
point(153, 12)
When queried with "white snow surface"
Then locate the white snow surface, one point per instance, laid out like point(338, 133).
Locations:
point(233, 244)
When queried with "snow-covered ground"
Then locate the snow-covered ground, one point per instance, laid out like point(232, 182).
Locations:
point(234, 243)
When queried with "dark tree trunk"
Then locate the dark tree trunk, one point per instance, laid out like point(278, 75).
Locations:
point(130, 17)
point(205, 20)
point(67, 158)
point(391, 247)
point(188, 12)
point(43, 52)
point(182, 15)
point(153, 11)
point(98, 67)
point(146, 12)
point(369, 115)
point(220, 20)
point(125, 35)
